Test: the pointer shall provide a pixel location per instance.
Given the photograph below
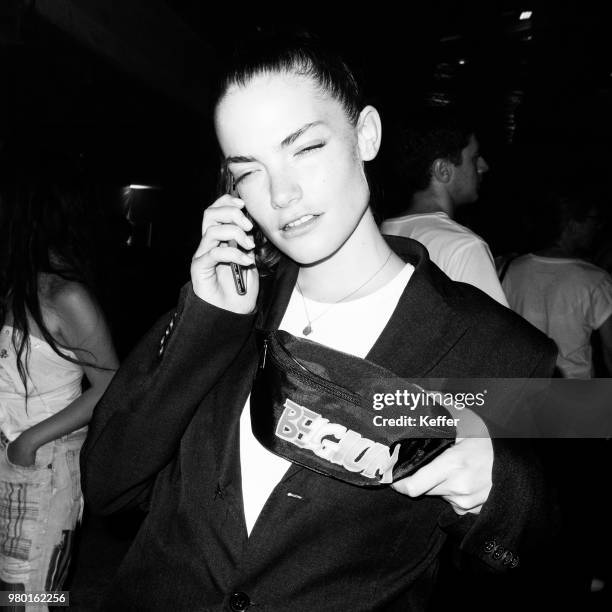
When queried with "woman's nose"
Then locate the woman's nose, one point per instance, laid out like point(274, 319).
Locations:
point(284, 190)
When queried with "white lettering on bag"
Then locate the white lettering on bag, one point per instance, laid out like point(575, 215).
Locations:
point(335, 443)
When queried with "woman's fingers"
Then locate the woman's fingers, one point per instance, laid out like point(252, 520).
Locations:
point(224, 222)
point(224, 254)
point(226, 209)
point(462, 475)
point(217, 234)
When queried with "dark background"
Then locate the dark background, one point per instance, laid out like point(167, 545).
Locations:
point(116, 93)
point(118, 90)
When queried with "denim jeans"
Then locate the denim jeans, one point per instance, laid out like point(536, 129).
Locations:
point(40, 507)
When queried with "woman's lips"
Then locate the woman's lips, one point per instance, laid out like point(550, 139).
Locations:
point(300, 226)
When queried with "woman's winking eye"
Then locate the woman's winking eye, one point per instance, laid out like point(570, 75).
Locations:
point(241, 177)
point(301, 152)
point(310, 148)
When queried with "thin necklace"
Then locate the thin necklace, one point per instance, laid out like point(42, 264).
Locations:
point(308, 329)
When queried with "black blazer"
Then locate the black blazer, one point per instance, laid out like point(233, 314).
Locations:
point(165, 435)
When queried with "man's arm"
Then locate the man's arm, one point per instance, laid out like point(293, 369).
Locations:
point(605, 336)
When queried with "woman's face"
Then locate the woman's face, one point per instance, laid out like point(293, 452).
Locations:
point(297, 163)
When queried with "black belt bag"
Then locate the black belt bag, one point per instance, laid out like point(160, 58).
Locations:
point(313, 406)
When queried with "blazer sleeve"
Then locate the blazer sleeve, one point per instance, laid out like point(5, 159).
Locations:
point(137, 426)
point(520, 518)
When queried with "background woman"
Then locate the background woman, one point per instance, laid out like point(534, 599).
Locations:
point(53, 336)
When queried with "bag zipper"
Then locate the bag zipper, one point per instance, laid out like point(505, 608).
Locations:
point(295, 367)
point(262, 362)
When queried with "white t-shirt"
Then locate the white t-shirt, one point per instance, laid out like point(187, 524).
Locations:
point(564, 298)
point(457, 250)
point(351, 327)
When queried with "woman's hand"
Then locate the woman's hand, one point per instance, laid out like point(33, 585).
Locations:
point(21, 452)
point(462, 474)
point(211, 275)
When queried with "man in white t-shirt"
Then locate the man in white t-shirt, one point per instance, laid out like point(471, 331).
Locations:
point(567, 299)
point(562, 294)
point(440, 162)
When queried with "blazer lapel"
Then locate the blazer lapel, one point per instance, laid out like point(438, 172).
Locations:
point(274, 296)
point(423, 326)
point(225, 422)
point(277, 293)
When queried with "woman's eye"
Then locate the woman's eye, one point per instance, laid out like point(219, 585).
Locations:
point(310, 148)
point(242, 177)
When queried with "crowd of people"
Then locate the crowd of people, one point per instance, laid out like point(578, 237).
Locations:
point(208, 424)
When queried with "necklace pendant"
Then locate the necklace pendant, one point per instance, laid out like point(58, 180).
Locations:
point(307, 330)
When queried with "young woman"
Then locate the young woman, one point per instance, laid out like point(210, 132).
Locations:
point(234, 521)
point(53, 333)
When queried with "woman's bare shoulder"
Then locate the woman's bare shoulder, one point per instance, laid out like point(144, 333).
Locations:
point(61, 298)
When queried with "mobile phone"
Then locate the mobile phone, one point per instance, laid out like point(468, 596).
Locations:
point(238, 273)
point(237, 270)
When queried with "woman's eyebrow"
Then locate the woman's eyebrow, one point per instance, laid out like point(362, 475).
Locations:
point(238, 159)
point(295, 135)
point(245, 159)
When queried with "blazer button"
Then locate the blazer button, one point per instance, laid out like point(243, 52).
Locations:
point(239, 602)
point(498, 552)
point(489, 546)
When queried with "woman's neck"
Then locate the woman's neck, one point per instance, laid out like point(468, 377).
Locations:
point(364, 259)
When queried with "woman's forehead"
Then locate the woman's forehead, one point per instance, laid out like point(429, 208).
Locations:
point(272, 105)
point(270, 88)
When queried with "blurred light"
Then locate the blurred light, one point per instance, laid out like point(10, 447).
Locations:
point(525, 15)
point(438, 98)
point(141, 187)
point(462, 62)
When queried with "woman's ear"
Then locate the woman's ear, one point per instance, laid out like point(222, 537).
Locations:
point(369, 133)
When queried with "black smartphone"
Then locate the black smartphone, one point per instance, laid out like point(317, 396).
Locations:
point(237, 270)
